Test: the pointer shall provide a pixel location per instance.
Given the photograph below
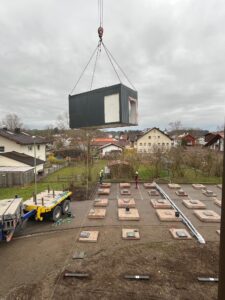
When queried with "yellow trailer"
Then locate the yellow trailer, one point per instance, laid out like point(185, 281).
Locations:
point(53, 203)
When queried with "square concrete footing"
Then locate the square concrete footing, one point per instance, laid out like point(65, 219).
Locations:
point(207, 216)
point(208, 193)
point(101, 202)
point(126, 202)
point(103, 191)
point(150, 185)
point(105, 185)
point(130, 234)
point(89, 236)
point(97, 213)
point(217, 202)
point(167, 215)
point(131, 215)
point(193, 204)
point(181, 193)
point(125, 192)
point(173, 186)
point(125, 185)
point(198, 186)
point(180, 234)
point(160, 203)
point(153, 192)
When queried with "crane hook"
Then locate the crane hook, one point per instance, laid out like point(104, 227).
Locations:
point(100, 32)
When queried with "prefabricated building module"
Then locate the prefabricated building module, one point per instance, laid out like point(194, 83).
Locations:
point(112, 106)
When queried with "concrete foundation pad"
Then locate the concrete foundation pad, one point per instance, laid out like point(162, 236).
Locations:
point(193, 204)
point(88, 236)
point(125, 185)
point(207, 215)
point(105, 185)
point(153, 193)
point(160, 203)
point(167, 215)
point(130, 234)
point(103, 191)
point(180, 234)
point(125, 192)
point(198, 186)
point(150, 185)
point(181, 193)
point(101, 202)
point(126, 202)
point(208, 193)
point(217, 202)
point(173, 186)
point(131, 215)
point(97, 213)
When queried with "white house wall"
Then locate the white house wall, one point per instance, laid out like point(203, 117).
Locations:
point(26, 149)
point(110, 148)
point(153, 140)
point(7, 162)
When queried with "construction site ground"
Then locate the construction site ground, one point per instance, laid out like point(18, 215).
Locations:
point(33, 263)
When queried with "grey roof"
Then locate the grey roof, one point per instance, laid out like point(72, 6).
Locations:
point(23, 158)
point(21, 137)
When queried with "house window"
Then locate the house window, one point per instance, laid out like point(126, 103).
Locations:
point(30, 147)
point(144, 144)
point(149, 144)
point(159, 144)
point(140, 150)
point(140, 144)
point(38, 147)
point(149, 137)
point(158, 136)
point(2, 149)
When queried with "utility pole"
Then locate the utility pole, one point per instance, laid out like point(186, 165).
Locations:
point(221, 287)
point(35, 171)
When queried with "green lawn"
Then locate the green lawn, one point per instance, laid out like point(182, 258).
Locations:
point(53, 180)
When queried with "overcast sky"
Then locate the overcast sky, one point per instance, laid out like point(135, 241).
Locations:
point(173, 51)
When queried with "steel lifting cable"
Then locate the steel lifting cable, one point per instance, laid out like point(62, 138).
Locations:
point(95, 64)
point(84, 69)
point(120, 68)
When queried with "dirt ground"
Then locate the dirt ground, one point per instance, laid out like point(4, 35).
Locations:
point(32, 265)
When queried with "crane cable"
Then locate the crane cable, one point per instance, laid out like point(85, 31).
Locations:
point(97, 51)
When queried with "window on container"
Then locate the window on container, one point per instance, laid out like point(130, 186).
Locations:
point(2, 149)
point(132, 110)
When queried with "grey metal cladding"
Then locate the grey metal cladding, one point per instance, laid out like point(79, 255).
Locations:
point(87, 109)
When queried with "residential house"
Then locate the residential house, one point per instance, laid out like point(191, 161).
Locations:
point(15, 159)
point(188, 140)
point(110, 149)
point(215, 141)
point(153, 140)
point(22, 142)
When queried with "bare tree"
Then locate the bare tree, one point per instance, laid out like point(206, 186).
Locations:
point(12, 121)
point(62, 121)
point(175, 126)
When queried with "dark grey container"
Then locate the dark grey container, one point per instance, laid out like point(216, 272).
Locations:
point(112, 106)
